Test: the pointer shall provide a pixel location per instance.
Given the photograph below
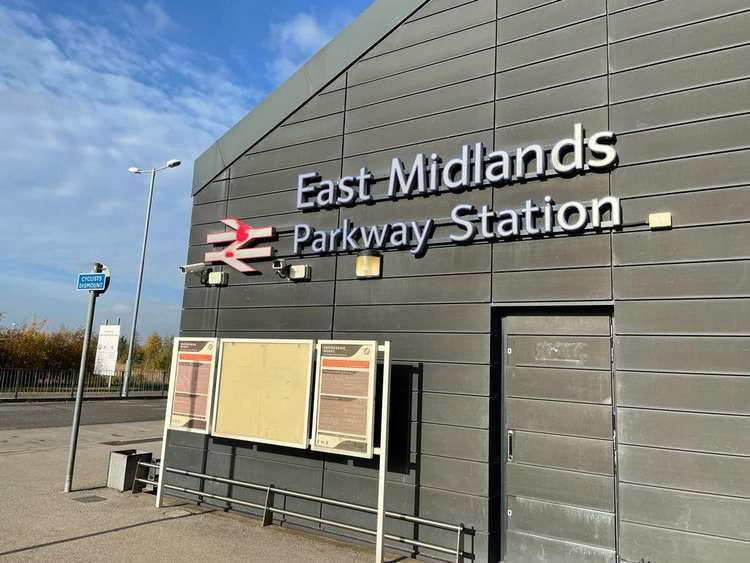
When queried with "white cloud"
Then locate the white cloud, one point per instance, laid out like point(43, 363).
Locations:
point(79, 103)
point(295, 40)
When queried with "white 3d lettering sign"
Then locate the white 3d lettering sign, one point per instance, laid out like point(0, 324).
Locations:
point(473, 168)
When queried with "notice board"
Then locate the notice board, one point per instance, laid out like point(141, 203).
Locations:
point(263, 391)
point(344, 397)
point(191, 384)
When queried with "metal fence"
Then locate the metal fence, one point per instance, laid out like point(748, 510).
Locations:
point(21, 382)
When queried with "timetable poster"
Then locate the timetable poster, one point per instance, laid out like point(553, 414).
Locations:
point(344, 397)
point(192, 378)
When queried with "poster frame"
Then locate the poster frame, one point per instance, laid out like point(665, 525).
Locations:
point(172, 382)
point(217, 387)
point(369, 453)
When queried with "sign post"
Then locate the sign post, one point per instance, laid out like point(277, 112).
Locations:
point(382, 451)
point(95, 283)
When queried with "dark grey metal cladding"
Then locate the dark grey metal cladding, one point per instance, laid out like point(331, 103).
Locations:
point(677, 91)
point(669, 44)
point(422, 79)
point(700, 279)
point(668, 14)
point(445, 98)
point(563, 13)
point(684, 73)
point(552, 44)
point(687, 354)
point(551, 253)
point(566, 487)
point(699, 432)
point(696, 208)
point(433, 51)
point(670, 546)
point(690, 512)
point(686, 174)
point(591, 386)
point(449, 124)
point(688, 471)
point(553, 417)
point(579, 352)
point(570, 523)
point(578, 66)
point(538, 549)
point(443, 22)
point(692, 316)
point(555, 101)
point(585, 455)
point(684, 392)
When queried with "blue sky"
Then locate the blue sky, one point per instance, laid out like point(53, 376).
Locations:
point(92, 87)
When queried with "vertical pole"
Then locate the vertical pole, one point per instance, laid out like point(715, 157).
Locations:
point(79, 392)
point(382, 472)
point(129, 362)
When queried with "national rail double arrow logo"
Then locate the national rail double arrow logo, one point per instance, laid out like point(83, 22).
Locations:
point(241, 235)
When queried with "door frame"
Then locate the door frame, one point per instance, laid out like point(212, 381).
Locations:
point(498, 340)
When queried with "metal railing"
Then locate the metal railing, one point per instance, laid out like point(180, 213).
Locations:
point(23, 382)
point(269, 509)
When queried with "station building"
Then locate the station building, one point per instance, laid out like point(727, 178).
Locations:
point(572, 390)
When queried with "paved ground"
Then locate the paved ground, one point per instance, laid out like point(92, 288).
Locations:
point(54, 414)
point(40, 523)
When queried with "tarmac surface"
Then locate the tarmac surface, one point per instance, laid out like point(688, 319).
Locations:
point(41, 523)
point(15, 416)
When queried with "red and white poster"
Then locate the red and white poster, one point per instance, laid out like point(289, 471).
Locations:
point(191, 384)
point(344, 397)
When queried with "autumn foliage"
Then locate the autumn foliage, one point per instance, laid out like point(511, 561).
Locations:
point(32, 346)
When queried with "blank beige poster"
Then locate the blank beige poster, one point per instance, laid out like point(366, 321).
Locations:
point(263, 391)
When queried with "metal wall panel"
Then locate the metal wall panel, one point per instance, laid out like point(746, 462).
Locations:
point(685, 174)
point(689, 471)
point(679, 74)
point(296, 133)
point(688, 354)
point(698, 432)
point(414, 318)
point(553, 44)
point(551, 253)
point(564, 452)
point(592, 386)
point(684, 392)
point(537, 549)
point(560, 14)
point(690, 512)
point(569, 68)
point(669, 546)
point(445, 98)
point(693, 316)
point(668, 14)
point(690, 40)
point(579, 284)
point(707, 279)
point(472, 288)
point(422, 79)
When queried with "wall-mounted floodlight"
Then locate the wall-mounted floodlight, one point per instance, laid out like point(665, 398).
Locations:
point(369, 264)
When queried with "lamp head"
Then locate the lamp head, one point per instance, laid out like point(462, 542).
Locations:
point(134, 170)
point(174, 163)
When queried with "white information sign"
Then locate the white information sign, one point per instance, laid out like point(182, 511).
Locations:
point(106, 350)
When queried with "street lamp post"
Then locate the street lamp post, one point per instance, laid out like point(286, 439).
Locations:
point(129, 362)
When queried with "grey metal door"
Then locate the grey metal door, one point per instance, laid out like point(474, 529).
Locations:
point(559, 471)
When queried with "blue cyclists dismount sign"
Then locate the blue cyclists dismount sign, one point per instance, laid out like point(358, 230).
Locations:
point(92, 282)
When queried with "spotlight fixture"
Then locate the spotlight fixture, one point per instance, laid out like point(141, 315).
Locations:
point(369, 264)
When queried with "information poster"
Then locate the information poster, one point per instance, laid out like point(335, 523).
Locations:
point(191, 384)
point(263, 391)
point(106, 350)
point(344, 397)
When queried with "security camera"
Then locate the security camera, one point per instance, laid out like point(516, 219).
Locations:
point(281, 268)
point(196, 268)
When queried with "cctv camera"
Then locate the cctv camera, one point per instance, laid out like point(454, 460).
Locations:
point(279, 264)
point(196, 268)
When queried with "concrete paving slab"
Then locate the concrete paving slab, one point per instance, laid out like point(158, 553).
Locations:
point(40, 523)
